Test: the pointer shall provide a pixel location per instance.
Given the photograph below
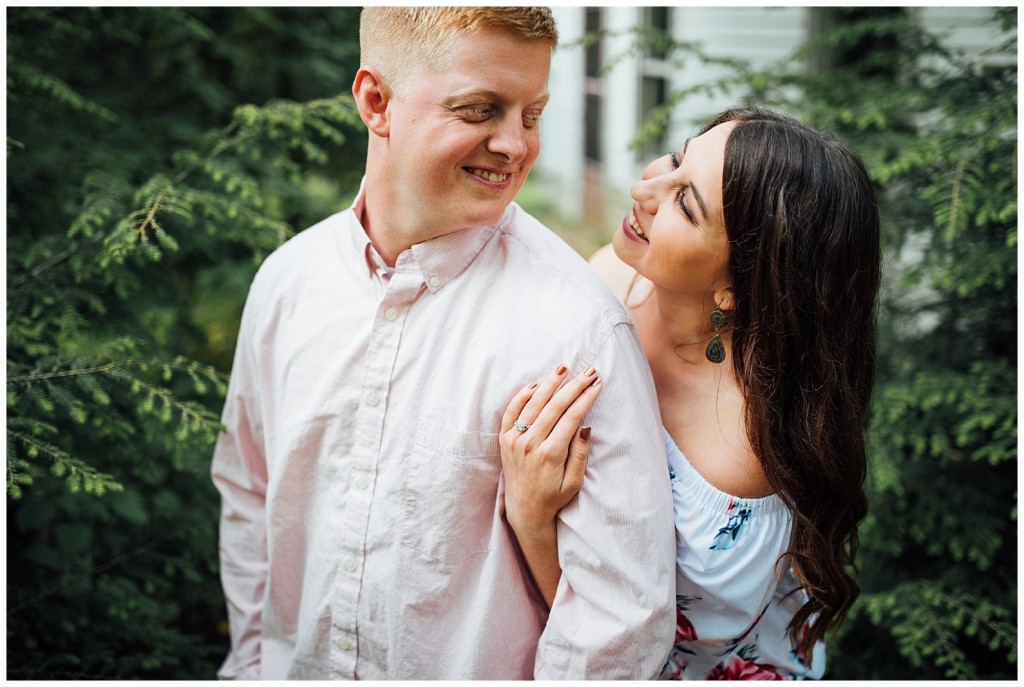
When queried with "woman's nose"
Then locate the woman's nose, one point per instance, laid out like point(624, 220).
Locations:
point(647, 191)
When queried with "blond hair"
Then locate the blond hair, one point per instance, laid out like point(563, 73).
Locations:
point(404, 41)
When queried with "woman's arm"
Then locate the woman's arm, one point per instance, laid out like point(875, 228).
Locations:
point(544, 465)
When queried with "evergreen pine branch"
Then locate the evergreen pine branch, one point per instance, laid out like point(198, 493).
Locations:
point(998, 629)
point(102, 567)
point(952, 655)
point(278, 120)
point(44, 386)
point(193, 414)
point(21, 74)
point(77, 474)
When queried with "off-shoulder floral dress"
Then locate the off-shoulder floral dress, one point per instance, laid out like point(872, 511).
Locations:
point(732, 607)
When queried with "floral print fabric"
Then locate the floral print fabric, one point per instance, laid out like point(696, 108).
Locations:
point(732, 601)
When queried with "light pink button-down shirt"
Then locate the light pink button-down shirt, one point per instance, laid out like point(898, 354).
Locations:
point(363, 531)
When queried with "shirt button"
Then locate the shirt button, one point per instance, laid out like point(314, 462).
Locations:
point(434, 281)
point(390, 314)
point(350, 565)
point(362, 483)
point(344, 644)
point(372, 399)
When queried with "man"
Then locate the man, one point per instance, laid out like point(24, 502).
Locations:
point(362, 530)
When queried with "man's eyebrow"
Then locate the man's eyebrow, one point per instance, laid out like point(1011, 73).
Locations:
point(696, 194)
point(487, 94)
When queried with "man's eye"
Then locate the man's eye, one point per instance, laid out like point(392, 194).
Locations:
point(531, 119)
point(477, 113)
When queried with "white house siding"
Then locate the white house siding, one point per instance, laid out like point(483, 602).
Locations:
point(761, 35)
point(969, 29)
point(561, 129)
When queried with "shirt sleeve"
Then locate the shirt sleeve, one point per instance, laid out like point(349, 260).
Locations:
point(613, 614)
point(240, 474)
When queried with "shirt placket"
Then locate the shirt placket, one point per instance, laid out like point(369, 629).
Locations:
point(400, 291)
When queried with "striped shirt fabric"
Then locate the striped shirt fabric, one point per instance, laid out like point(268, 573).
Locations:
point(363, 531)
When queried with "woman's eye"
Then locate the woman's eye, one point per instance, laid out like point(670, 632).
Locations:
point(681, 199)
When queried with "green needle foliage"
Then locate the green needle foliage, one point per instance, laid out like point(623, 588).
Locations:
point(938, 132)
point(154, 156)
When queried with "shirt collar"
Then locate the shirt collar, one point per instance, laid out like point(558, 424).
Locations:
point(438, 260)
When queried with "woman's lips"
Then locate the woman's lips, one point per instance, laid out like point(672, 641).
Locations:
point(631, 228)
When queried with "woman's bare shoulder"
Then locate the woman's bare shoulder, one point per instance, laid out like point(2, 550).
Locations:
point(615, 273)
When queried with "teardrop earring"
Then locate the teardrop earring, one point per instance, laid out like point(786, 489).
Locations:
point(715, 352)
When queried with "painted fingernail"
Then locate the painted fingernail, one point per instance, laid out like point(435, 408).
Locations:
point(585, 433)
point(532, 386)
point(589, 371)
point(560, 370)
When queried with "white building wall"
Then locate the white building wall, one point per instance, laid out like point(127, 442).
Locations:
point(621, 100)
point(969, 29)
point(761, 35)
point(561, 129)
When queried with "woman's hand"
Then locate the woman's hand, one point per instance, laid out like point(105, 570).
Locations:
point(544, 464)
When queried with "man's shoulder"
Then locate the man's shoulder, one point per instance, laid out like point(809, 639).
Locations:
point(307, 243)
point(545, 264)
point(295, 262)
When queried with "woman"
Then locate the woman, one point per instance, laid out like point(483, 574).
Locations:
point(750, 265)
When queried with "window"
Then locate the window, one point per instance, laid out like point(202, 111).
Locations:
point(593, 88)
point(654, 85)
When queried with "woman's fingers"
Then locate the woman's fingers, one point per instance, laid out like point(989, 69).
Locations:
point(576, 463)
point(561, 403)
point(557, 444)
point(516, 405)
point(542, 394)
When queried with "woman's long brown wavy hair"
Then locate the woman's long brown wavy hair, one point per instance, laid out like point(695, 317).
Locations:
point(805, 264)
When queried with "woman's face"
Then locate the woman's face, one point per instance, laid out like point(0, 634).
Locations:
point(675, 234)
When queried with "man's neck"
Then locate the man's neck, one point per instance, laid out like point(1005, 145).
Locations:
point(382, 230)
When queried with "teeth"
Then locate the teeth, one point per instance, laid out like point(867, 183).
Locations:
point(636, 226)
point(489, 176)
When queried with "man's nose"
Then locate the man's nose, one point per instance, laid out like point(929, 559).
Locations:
point(509, 139)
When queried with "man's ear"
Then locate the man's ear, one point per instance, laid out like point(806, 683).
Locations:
point(372, 96)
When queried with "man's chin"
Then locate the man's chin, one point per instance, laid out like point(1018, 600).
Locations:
point(485, 217)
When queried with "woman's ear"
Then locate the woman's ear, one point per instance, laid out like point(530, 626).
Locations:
point(372, 96)
point(725, 298)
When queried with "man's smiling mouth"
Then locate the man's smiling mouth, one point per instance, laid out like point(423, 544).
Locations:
point(488, 176)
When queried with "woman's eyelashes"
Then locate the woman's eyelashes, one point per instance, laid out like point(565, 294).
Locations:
point(681, 196)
